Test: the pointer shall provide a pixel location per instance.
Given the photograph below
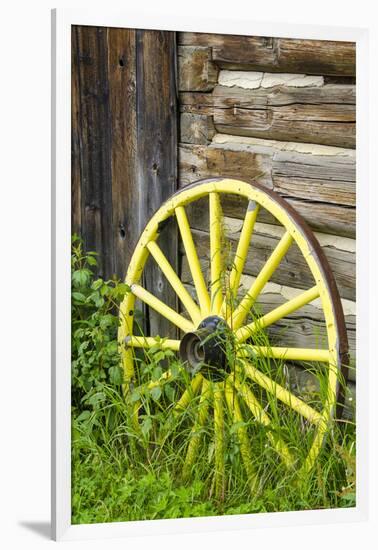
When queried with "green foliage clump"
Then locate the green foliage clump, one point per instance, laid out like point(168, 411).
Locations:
point(95, 358)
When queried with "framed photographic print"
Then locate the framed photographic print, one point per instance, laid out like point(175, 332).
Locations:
point(207, 338)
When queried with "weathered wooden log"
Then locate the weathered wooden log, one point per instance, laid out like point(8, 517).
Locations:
point(342, 98)
point(198, 162)
point(324, 115)
point(293, 270)
point(259, 53)
point(320, 178)
point(196, 129)
point(318, 181)
point(196, 70)
point(301, 123)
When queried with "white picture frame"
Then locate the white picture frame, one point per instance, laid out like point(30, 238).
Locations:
point(62, 20)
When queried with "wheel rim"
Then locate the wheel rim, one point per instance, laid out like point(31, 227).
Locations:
point(235, 389)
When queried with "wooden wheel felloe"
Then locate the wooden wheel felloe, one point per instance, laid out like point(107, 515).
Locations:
point(218, 329)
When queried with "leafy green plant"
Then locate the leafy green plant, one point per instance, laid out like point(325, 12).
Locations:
point(95, 302)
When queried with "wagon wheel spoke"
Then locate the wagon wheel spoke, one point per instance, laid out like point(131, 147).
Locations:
point(238, 316)
point(215, 222)
point(175, 282)
point(162, 308)
point(189, 394)
point(218, 394)
point(278, 313)
point(314, 451)
point(236, 414)
point(147, 342)
point(290, 354)
point(193, 261)
point(195, 436)
point(284, 395)
point(263, 418)
point(241, 253)
point(143, 389)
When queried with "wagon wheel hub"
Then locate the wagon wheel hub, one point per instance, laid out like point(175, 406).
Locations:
point(205, 349)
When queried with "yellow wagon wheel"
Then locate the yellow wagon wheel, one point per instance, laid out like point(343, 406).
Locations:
point(206, 323)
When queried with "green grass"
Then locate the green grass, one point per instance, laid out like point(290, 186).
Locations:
point(122, 471)
point(121, 475)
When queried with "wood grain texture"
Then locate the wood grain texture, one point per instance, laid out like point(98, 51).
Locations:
point(199, 162)
point(196, 129)
point(125, 196)
point(92, 130)
point(156, 177)
point(277, 54)
point(321, 178)
point(320, 186)
point(197, 72)
point(324, 115)
point(124, 145)
point(75, 138)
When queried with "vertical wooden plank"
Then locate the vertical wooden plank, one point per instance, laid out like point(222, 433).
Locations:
point(95, 145)
point(75, 139)
point(157, 151)
point(124, 147)
point(125, 193)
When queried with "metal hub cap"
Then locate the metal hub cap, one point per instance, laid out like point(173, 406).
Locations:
point(205, 349)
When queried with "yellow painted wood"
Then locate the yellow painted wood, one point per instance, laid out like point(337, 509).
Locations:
point(193, 261)
point(165, 377)
point(263, 277)
point(241, 253)
point(219, 440)
point(126, 316)
point(195, 436)
point(189, 393)
point(289, 354)
point(216, 254)
point(147, 342)
point(242, 433)
point(162, 308)
point(173, 279)
point(325, 424)
point(263, 418)
point(282, 394)
point(278, 313)
point(125, 328)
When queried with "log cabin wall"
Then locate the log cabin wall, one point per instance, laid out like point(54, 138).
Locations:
point(280, 112)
